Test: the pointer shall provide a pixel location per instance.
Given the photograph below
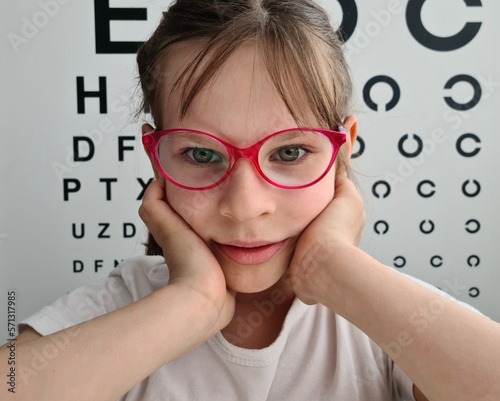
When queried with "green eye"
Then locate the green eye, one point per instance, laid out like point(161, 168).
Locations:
point(203, 155)
point(290, 153)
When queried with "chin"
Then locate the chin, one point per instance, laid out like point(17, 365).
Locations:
point(253, 279)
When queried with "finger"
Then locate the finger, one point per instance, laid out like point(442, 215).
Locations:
point(345, 187)
point(155, 190)
point(163, 222)
point(152, 201)
point(349, 199)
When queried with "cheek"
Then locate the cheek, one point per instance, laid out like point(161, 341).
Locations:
point(308, 203)
point(192, 206)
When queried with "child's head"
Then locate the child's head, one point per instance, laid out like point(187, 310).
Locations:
point(301, 52)
point(242, 70)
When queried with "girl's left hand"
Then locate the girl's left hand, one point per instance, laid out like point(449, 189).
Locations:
point(326, 241)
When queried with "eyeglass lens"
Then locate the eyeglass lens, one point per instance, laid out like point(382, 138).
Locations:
point(289, 159)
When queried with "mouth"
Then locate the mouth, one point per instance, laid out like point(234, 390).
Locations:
point(250, 254)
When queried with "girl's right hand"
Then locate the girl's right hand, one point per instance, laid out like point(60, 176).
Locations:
point(191, 264)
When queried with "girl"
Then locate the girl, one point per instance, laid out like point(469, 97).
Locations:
point(264, 293)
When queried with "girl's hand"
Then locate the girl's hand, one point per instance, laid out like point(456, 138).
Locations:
point(191, 264)
point(326, 241)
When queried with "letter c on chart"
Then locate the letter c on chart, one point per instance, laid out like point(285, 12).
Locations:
point(387, 189)
point(431, 224)
point(383, 223)
point(463, 137)
point(436, 261)
point(426, 194)
point(471, 194)
point(399, 261)
point(396, 92)
point(463, 106)
point(474, 292)
point(473, 222)
point(427, 39)
point(473, 261)
point(413, 154)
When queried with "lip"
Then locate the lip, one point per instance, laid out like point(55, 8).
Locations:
point(251, 253)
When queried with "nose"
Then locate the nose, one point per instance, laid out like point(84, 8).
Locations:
point(245, 193)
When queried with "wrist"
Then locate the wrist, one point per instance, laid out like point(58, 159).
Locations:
point(357, 284)
point(343, 271)
point(315, 274)
point(204, 315)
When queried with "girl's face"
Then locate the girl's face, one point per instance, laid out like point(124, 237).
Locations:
point(250, 225)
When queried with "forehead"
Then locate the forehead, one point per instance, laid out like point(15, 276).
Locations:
point(240, 103)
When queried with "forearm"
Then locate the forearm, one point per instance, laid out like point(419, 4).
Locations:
point(449, 352)
point(103, 358)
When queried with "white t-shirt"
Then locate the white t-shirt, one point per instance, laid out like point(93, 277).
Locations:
point(317, 356)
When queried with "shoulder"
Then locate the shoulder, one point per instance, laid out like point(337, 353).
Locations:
point(133, 279)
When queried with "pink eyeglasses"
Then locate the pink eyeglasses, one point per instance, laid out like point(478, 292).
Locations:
point(290, 159)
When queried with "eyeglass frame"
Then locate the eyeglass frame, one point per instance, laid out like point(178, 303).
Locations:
point(151, 140)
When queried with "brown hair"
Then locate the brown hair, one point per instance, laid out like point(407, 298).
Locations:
point(301, 51)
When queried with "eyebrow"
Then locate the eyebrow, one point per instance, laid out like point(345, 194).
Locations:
point(201, 140)
point(295, 133)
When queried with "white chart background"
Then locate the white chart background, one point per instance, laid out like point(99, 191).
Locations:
point(46, 45)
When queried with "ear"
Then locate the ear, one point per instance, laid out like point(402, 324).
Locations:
point(351, 127)
point(146, 128)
